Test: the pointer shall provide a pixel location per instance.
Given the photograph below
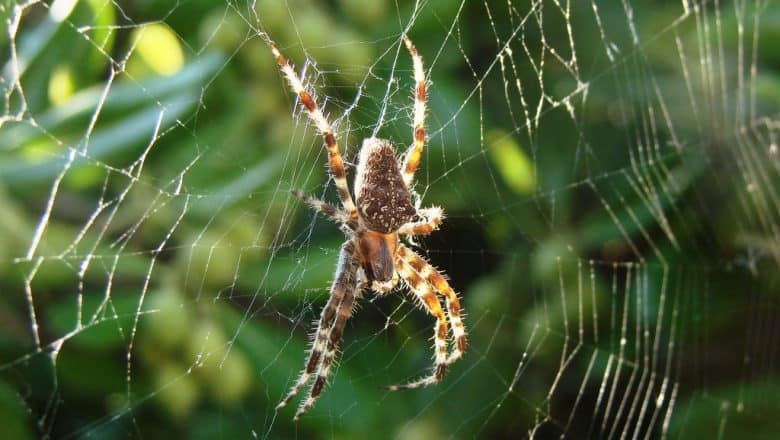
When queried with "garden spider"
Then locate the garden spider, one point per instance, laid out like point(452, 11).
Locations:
point(372, 257)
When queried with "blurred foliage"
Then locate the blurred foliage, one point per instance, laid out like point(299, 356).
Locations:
point(175, 128)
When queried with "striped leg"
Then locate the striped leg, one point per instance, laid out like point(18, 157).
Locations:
point(413, 155)
point(336, 332)
point(425, 270)
point(433, 218)
point(344, 285)
point(315, 114)
point(328, 210)
point(427, 297)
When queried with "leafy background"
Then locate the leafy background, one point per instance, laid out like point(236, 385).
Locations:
point(176, 198)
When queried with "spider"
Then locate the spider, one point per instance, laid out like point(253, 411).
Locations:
point(373, 257)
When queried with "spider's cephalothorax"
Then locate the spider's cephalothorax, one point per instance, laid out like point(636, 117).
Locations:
point(373, 257)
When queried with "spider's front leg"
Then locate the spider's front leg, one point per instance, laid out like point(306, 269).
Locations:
point(329, 330)
point(335, 162)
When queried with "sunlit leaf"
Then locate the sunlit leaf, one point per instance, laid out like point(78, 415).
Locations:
point(513, 165)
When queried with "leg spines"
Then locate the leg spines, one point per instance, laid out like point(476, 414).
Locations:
point(414, 154)
point(440, 284)
point(315, 114)
point(336, 332)
point(433, 218)
point(427, 296)
point(328, 210)
point(329, 330)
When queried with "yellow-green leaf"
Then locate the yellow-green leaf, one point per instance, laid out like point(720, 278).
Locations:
point(510, 160)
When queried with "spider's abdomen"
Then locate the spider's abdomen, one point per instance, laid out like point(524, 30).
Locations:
point(383, 200)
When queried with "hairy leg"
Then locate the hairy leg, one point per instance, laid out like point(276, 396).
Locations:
point(427, 297)
point(437, 280)
point(325, 208)
point(433, 218)
point(335, 161)
point(344, 286)
point(343, 313)
point(413, 155)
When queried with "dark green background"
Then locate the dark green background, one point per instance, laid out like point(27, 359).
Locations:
point(628, 193)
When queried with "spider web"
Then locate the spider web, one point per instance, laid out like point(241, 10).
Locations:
point(609, 173)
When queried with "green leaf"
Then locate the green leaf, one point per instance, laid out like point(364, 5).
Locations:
point(242, 185)
point(104, 142)
point(123, 98)
point(513, 165)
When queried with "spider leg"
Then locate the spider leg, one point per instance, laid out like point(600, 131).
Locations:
point(328, 210)
point(437, 280)
point(315, 114)
point(414, 153)
point(343, 313)
point(344, 285)
point(433, 218)
point(425, 293)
